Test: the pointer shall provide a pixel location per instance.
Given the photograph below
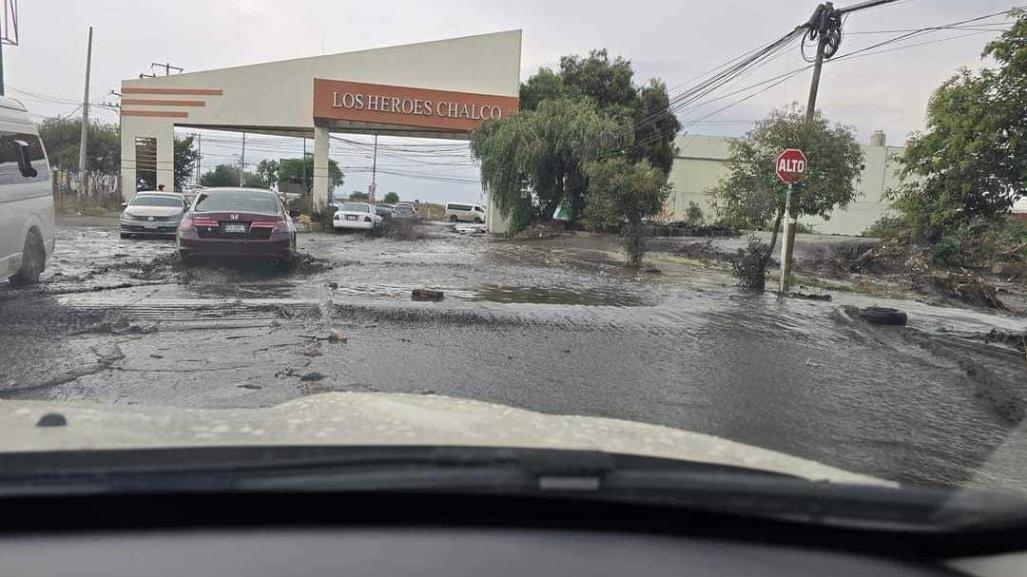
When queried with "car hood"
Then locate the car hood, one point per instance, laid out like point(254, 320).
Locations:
point(153, 210)
point(349, 419)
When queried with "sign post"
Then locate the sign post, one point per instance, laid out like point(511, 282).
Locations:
point(790, 166)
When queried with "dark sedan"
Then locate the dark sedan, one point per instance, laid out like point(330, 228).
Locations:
point(234, 222)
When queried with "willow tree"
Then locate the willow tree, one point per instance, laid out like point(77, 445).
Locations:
point(534, 160)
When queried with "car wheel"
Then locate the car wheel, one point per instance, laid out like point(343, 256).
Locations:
point(453, 218)
point(884, 316)
point(33, 261)
point(479, 221)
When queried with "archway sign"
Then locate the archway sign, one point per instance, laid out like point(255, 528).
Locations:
point(440, 89)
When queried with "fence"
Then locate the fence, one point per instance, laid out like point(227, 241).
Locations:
point(101, 190)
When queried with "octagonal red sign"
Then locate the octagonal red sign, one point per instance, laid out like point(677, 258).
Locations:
point(791, 165)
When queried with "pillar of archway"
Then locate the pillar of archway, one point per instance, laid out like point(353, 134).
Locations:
point(321, 183)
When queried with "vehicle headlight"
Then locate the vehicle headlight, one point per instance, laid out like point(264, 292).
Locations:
point(127, 216)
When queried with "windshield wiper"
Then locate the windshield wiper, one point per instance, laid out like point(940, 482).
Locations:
point(688, 485)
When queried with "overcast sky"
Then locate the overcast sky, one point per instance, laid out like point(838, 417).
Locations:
point(674, 40)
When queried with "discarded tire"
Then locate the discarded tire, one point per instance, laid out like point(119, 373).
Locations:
point(427, 295)
point(884, 316)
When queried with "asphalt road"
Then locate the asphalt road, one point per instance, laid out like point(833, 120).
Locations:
point(552, 326)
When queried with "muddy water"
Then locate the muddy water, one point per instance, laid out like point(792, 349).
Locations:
point(552, 326)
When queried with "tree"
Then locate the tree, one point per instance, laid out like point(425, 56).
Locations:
point(971, 161)
point(61, 137)
point(391, 198)
point(536, 157)
point(185, 160)
point(624, 194)
point(359, 196)
point(292, 170)
point(228, 175)
point(609, 84)
point(751, 196)
point(267, 170)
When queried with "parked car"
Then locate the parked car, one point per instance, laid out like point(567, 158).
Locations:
point(26, 197)
point(153, 214)
point(356, 216)
point(404, 211)
point(456, 212)
point(228, 222)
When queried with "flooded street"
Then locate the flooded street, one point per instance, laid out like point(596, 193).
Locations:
point(552, 326)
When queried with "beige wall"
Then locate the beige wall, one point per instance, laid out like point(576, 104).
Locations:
point(701, 164)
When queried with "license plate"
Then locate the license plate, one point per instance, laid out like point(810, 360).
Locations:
point(351, 217)
point(235, 227)
point(150, 225)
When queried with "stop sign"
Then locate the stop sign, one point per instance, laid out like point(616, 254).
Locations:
point(791, 164)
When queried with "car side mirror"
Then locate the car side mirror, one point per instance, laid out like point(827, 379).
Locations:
point(293, 213)
point(124, 205)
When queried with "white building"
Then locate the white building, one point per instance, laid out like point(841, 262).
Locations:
point(702, 161)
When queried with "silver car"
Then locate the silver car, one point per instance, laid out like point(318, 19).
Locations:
point(153, 214)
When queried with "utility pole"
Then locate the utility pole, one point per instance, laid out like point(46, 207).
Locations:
point(791, 200)
point(199, 157)
point(374, 172)
point(84, 144)
point(242, 162)
point(304, 190)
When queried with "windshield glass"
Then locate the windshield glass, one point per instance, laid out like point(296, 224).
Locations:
point(154, 200)
point(660, 230)
point(354, 207)
point(237, 200)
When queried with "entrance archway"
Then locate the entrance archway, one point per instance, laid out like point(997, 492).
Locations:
point(441, 89)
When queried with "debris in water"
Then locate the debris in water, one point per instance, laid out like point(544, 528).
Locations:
point(333, 285)
point(652, 270)
point(251, 387)
point(134, 329)
point(336, 336)
point(810, 296)
point(52, 420)
point(156, 356)
point(312, 377)
point(428, 295)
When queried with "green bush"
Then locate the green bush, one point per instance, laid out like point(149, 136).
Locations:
point(522, 215)
point(750, 265)
point(693, 214)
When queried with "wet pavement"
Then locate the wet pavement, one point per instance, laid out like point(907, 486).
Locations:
point(558, 326)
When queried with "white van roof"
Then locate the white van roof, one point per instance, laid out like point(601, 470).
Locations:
point(14, 116)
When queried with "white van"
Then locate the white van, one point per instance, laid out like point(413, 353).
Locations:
point(459, 212)
point(26, 197)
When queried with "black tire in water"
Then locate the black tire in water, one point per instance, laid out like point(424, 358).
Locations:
point(33, 261)
point(884, 316)
point(452, 218)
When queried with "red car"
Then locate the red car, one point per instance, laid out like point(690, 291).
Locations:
point(237, 222)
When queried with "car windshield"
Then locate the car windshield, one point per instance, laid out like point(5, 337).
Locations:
point(784, 237)
point(237, 200)
point(156, 200)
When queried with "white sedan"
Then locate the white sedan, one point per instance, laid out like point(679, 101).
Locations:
point(356, 216)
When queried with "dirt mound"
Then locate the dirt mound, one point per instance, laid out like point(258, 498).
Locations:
point(403, 229)
point(539, 232)
point(964, 287)
point(694, 249)
point(681, 228)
